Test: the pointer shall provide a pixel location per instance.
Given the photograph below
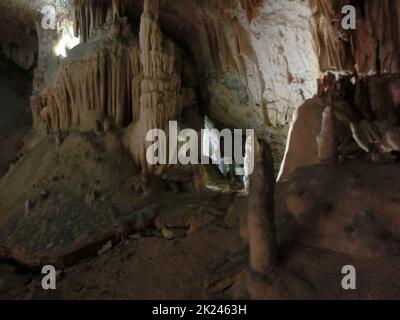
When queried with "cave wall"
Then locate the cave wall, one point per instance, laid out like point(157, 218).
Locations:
point(21, 49)
point(287, 60)
point(372, 48)
point(360, 85)
point(257, 60)
point(15, 116)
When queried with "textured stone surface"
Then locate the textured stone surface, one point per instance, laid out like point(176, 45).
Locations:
point(255, 58)
point(282, 41)
point(370, 104)
point(267, 62)
point(302, 148)
point(372, 47)
point(63, 203)
point(15, 116)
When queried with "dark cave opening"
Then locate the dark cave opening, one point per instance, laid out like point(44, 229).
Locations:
point(15, 114)
point(18, 59)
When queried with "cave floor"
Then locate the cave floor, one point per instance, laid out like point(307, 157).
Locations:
point(114, 238)
point(201, 265)
point(78, 203)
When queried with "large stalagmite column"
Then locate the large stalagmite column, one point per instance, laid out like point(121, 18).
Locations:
point(160, 85)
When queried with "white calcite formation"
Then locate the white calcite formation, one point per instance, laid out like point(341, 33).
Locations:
point(160, 85)
point(100, 79)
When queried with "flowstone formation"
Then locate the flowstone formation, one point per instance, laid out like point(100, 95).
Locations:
point(97, 86)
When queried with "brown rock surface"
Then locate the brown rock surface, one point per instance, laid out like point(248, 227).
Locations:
point(15, 118)
point(372, 47)
point(327, 217)
point(62, 225)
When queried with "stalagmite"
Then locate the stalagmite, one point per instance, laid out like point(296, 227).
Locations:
point(326, 140)
point(260, 212)
point(262, 280)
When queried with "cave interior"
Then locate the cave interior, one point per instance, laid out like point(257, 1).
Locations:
point(82, 82)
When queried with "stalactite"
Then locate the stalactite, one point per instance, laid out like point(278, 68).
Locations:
point(88, 15)
point(372, 47)
point(326, 43)
point(103, 83)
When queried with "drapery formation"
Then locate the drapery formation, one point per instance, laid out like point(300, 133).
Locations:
point(104, 83)
point(372, 47)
